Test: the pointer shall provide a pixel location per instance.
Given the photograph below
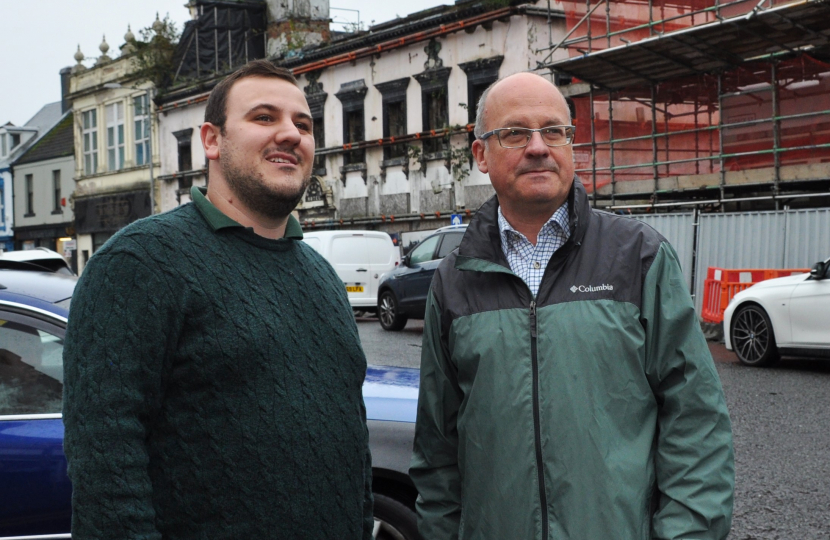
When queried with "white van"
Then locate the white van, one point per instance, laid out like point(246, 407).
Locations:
point(360, 258)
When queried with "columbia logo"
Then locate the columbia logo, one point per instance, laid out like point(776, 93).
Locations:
point(592, 288)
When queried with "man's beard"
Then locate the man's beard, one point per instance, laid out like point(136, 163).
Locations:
point(250, 187)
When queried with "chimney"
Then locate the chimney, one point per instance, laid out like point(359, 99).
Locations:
point(65, 74)
point(293, 24)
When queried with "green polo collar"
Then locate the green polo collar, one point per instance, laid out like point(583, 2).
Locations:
point(217, 220)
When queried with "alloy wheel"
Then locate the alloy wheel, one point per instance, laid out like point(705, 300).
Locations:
point(387, 310)
point(752, 337)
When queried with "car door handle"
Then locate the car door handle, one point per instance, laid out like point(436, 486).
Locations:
point(361, 270)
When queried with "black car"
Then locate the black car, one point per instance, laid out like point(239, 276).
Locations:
point(402, 294)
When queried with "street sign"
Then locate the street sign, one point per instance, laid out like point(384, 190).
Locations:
point(455, 219)
point(70, 245)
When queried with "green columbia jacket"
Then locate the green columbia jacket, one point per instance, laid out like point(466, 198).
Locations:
point(591, 412)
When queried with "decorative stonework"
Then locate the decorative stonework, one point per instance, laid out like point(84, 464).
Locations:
point(104, 47)
point(314, 85)
point(433, 61)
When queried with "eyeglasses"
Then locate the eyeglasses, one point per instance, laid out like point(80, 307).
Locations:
point(515, 137)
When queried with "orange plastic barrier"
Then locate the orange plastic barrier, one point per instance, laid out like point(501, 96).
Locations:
point(721, 284)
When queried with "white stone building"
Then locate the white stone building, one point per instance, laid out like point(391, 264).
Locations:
point(416, 79)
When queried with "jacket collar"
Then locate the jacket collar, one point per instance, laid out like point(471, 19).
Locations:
point(483, 240)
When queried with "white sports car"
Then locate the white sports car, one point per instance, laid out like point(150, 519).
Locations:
point(787, 316)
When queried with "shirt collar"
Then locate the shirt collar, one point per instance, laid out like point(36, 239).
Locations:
point(559, 218)
point(217, 220)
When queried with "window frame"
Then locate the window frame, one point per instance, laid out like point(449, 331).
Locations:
point(184, 147)
point(40, 320)
point(434, 85)
point(393, 93)
point(481, 74)
point(115, 136)
point(351, 96)
point(89, 140)
point(316, 99)
point(141, 125)
point(56, 191)
point(29, 180)
point(422, 243)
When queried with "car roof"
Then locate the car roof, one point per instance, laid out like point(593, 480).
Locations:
point(37, 259)
point(39, 287)
point(36, 254)
point(461, 227)
point(344, 232)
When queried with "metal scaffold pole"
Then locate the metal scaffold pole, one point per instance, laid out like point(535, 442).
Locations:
point(611, 144)
point(654, 139)
point(593, 144)
point(776, 132)
point(721, 188)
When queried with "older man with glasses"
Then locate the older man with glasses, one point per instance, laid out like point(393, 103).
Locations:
point(567, 391)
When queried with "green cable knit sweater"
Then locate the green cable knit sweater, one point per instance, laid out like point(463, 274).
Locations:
point(213, 388)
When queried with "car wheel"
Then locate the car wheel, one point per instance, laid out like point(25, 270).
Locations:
point(393, 520)
point(752, 337)
point(388, 312)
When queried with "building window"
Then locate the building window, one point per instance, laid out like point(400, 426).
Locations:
point(56, 191)
point(435, 106)
point(353, 130)
point(15, 137)
point(480, 75)
point(351, 96)
point(89, 135)
point(183, 140)
point(99, 239)
point(30, 195)
point(141, 123)
point(316, 101)
point(394, 115)
point(4, 149)
point(115, 136)
point(319, 142)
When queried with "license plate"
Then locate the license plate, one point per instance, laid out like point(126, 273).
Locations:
point(354, 288)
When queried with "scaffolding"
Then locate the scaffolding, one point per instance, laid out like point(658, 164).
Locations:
point(698, 100)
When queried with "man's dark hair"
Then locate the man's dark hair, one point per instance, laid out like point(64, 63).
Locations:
point(216, 110)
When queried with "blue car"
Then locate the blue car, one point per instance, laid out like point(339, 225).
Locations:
point(34, 488)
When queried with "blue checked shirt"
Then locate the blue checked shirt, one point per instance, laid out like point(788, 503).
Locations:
point(526, 260)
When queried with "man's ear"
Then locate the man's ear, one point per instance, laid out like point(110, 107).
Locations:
point(478, 154)
point(211, 135)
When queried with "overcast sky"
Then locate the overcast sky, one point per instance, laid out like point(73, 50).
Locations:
point(39, 37)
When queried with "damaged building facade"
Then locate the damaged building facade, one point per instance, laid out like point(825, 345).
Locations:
point(393, 105)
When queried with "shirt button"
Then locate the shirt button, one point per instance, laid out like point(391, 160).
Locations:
point(537, 265)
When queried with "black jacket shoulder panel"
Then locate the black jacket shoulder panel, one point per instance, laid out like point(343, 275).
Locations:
point(610, 262)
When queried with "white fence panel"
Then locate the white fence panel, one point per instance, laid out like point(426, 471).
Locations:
point(678, 229)
point(808, 237)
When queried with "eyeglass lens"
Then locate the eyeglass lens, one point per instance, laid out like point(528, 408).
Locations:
point(517, 137)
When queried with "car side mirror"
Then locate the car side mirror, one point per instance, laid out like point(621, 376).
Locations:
point(817, 272)
point(407, 259)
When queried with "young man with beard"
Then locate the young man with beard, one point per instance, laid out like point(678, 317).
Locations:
point(203, 397)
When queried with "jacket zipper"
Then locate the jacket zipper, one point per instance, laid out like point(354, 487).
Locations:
point(537, 431)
